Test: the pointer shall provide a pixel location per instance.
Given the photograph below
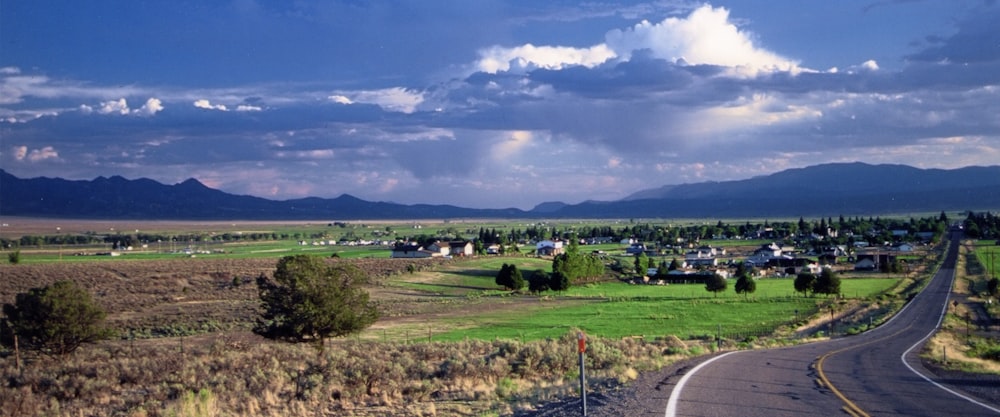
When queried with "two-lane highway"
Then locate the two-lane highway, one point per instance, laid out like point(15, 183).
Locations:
point(877, 373)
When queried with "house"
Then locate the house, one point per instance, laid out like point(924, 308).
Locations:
point(635, 249)
point(493, 249)
point(709, 252)
point(549, 248)
point(459, 248)
point(439, 248)
point(865, 263)
point(872, 261)
point(902, 247)
point(771, 250)
point(410, 250)
point(700, 262)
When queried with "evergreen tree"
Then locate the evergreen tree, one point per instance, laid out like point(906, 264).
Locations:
point(558, 281)
point(828, 282)
point(805, 282)
point(308, 301)
point(54, 320)
point(538, 281)
point(641, 263)
point(746, 285)
point(715, 284)
point(674, 265)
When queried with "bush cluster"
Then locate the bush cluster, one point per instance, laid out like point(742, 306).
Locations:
point(245, 375)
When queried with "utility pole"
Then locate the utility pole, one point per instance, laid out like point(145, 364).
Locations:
point(582, 347)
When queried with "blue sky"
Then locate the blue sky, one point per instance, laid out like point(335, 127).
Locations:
point(491, 103)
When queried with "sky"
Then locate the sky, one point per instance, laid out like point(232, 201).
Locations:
point(491, 104)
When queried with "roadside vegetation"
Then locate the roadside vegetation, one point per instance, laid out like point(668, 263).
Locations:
point(969, 339)
point(459, 336)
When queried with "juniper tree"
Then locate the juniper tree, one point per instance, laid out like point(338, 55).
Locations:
point(55, 320)
point(309, 300)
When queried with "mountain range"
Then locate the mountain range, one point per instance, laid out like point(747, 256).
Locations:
point(823, 190)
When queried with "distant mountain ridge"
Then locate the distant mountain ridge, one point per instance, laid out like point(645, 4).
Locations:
point(821, 190)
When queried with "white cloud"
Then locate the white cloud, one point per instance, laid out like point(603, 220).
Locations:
point(306, 155)
point(496, 59)
point(337, 98)
point(14, 87)
point(119, 106)
point(247, 107)
point(21, 153)
point(205, 104)
point(47, 152)
point(10, 71)
point(397, 99)
point(706, 36)
point(152, 106)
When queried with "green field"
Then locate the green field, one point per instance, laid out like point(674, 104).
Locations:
point(618, 310)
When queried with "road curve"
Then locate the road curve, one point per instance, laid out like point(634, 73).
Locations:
point(876, 373)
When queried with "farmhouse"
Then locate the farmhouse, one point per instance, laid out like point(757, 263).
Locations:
point(549, 248)
point(439, 248)
point(872, 261)
point(460, 248)
point(410, 250)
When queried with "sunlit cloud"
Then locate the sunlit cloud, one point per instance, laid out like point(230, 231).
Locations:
point(526, 57)
point(205, 104)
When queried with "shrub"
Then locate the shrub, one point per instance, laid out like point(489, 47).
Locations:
point(55, 319)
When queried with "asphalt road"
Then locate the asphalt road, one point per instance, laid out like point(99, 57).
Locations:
point(869, 374)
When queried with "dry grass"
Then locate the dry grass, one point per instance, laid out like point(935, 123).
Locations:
point(239, 374)
point(956, 345)
point(219, 368)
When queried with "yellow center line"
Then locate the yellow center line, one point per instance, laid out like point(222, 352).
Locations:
point(850, 407)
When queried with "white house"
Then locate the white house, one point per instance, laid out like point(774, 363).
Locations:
point(459, 248)
point(549, 248)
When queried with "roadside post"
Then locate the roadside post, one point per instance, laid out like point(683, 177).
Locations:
point(581, 342)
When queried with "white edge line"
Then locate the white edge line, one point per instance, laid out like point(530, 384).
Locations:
point(921, 341)
point(676, 393)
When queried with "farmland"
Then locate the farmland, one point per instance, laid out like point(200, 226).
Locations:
point(460, 343)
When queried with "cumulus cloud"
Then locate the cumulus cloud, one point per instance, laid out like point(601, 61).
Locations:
point(21, 153)
point(526, 57)
point(205, 104)
point(705, 37)
point(119, 106)
point(151, 107)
